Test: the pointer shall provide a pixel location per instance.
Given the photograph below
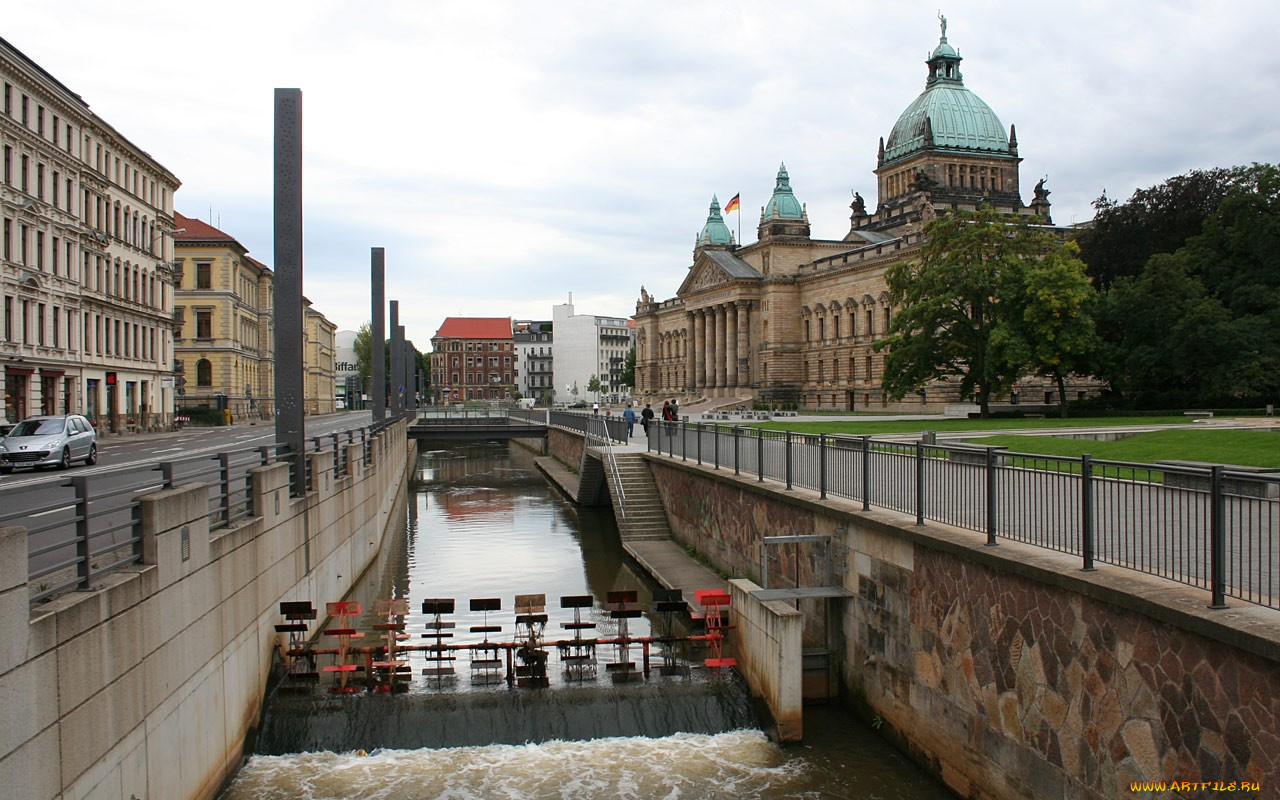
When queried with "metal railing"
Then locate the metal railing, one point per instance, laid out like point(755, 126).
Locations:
point(598, 437)
point(85, 526)
point(1204, 526)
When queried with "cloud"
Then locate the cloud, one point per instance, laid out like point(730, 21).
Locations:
point(507, 154)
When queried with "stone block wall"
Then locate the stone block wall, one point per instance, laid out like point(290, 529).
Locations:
point(567, 446)
point(1007, 670)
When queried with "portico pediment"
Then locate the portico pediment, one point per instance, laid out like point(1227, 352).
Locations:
point(715, 268)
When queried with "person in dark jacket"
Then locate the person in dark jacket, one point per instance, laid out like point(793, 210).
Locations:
point(646, 416)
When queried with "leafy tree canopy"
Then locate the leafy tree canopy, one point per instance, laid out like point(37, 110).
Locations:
point(988, 300)
point(1201, 325)
point(1160, 219)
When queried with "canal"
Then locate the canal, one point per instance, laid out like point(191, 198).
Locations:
point(483, 523)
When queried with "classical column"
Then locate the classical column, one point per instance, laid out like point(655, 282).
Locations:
point(699, 351)
point(744, 344)
point(722, 350)
point(712, 336)
point(731, 346)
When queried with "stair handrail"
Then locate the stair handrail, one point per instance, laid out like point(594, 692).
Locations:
point(597, 435)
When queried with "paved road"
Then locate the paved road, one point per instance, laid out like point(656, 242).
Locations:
point(46, 502)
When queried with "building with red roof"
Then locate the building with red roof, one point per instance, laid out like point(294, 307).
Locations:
point(473, 359)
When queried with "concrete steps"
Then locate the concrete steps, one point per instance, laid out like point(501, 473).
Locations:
point(644, 516)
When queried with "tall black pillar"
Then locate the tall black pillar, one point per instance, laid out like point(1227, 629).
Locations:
point(397, 361)
point(290, 429)
point(378, 328)
point(407, 365)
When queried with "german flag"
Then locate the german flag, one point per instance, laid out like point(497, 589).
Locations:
point(732, 205)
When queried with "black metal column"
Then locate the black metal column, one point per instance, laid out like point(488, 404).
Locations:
point(378, 334)
point(406, 366)
point(397, 360)
point(290, 429)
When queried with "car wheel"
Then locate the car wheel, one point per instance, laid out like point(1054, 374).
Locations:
point(65, 463)
point(93, 455)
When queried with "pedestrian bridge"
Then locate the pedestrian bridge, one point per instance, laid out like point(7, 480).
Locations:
point(503, 423)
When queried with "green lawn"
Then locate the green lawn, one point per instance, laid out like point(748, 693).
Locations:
point(1185, 443)
point(874, 427)
point(1249, 448)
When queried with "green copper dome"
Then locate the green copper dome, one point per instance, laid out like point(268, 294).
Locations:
point(783, 204)
point(715, 231)
point(946, 115)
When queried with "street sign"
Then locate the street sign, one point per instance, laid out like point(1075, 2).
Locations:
point(166, 381)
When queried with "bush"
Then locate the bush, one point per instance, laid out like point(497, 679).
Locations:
point(202, 415)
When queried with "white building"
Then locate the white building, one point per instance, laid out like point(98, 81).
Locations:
point(346, 372)
point(588, 346)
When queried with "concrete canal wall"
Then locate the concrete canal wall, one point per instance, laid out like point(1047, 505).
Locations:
point(148, 685)
point(1007, 670)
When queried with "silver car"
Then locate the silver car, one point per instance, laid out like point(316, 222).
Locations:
point(49, 442)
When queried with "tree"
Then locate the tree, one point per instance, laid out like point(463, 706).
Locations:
point(593, 385)
point(1201, 325)
point(1123, 236)
point(977, 305)
point(364, 355)
point(628, 376)
point(1057, 335)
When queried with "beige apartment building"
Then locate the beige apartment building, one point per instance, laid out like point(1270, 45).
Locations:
point(86, 284)
point(226, 329)
point(319, 380)
point(226, 343)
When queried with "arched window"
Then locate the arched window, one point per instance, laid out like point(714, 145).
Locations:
point(204, 372)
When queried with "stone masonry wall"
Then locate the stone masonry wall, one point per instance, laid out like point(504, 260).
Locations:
point(1007, 670)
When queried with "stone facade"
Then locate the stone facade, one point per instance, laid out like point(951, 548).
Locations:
point(791, 319)
point(86, 287)
point(1006, 670)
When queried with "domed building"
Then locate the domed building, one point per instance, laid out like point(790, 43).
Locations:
point(790, 319)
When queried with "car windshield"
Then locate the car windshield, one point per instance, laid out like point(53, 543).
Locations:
point(38, 427)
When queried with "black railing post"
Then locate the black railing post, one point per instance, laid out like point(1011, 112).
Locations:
point(80, 484)
point(991, 497)
point(760, 453)
point(822, 466)
point(166, 472)
point(715, 445)
point(737, 435)
point(919, 483)
point(224, 476)
point(684, 440)
point(1087, 532)
point(337, 456)
point(1218, 540)
point(866, 473)
point(788, 467)
point(698, 434)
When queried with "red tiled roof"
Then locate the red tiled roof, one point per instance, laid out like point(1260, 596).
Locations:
point(197, 231)
point(475, 328)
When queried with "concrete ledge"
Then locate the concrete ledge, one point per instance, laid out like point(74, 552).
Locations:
point(767, 643)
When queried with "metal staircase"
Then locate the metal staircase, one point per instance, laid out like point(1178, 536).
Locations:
point(645, 518)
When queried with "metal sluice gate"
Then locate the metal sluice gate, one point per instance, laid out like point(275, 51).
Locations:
point(383, 665)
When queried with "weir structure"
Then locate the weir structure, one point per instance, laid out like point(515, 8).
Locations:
point(522, 660)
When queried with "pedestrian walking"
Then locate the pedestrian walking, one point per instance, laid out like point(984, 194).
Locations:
point(646, 416)
point(630, 416)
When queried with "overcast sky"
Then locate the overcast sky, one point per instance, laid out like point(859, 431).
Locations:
point(508, 154)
